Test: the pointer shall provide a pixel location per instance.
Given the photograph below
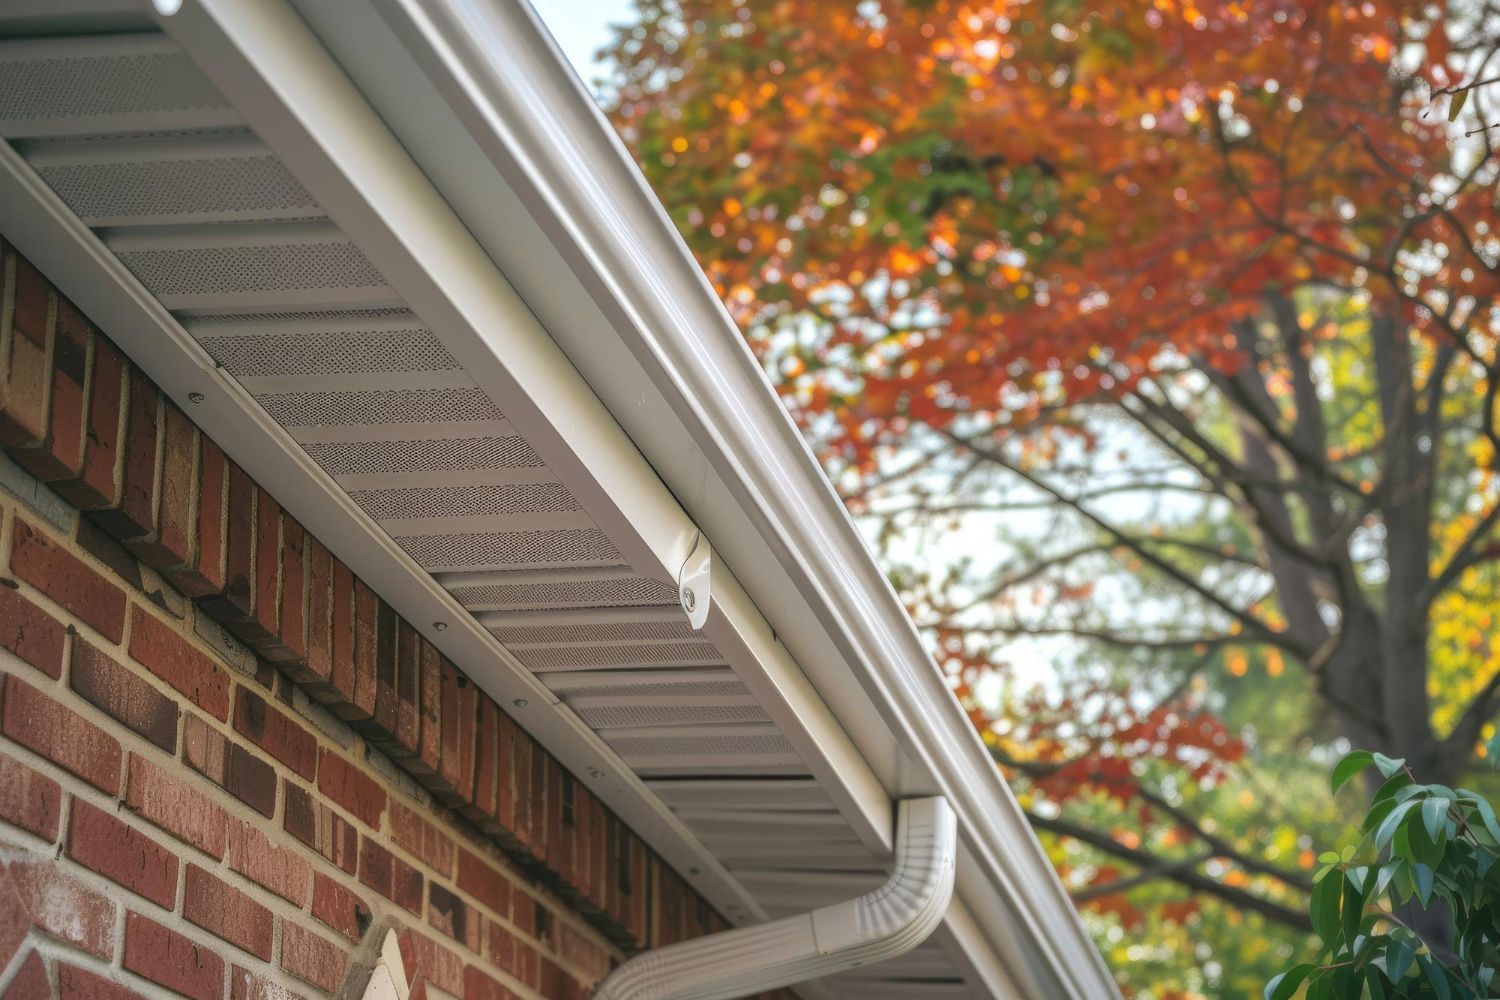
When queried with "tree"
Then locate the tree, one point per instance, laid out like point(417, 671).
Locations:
point(1208, 287)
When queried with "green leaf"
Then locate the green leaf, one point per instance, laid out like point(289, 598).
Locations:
point(1353, 910)
point(1487, 814)
point(1436, 976)
point(1421, 877)
point(1388, 765)
point(1388, 826)
point(1384, 878)
point(1325, 907)
point(1456, 104)
point(1285, 985)
point(1398, 959)
point(1434, 817)
point(1351, 765)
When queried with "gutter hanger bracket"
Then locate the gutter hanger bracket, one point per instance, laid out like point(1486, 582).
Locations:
point(871, 928)
point(693, 583)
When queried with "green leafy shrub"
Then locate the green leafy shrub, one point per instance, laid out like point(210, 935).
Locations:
point(1430, 843)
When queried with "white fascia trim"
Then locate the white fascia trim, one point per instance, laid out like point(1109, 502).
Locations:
point(504, 77)
point(868, 929)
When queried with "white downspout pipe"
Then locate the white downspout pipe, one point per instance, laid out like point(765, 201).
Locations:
point(871, 928)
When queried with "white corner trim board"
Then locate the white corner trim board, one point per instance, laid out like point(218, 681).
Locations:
point(871, 928)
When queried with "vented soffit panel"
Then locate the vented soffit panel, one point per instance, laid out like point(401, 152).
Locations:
point(326, 315)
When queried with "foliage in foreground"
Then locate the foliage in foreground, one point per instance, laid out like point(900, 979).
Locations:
point(1434, 846)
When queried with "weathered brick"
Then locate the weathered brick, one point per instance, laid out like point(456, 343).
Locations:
point(175, 806)
point(313, 823)
point(229, 765)
point(258, 626)
point(478, 985)
point(420, 838)
point(237, 600)
point(172, 960)
point(63, 907)
point(135, 514)
point(339, 908)
point(28, 799)
point(425, 764)
point(170, 543)
point(450, 915)
point(204, 574)
point(360, 708)
point(289, 645)
point(275, 732)
point(60, 458)
point(25, 372)
point(311, 958)
point(486, 757)
point(61, 735)
point(381, 728)
point(246, 985)
point(80, 984)
point(445, 782)
point(162, 650)
point(424, 958)
point(68, 580)
point(389, 875)
point(347, 785)
point(30, 981)
point(406, 741)
point(226, 912)
point(484, 881)
point(314, 670)
point(122, 854)
point(277, 869)
point(30, 633)
point(339, 695)
point(123, 695)
point(103, 446)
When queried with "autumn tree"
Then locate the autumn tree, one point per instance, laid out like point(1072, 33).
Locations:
point(1204, 292)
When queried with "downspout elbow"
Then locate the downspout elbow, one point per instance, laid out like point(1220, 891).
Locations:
point(871, 928)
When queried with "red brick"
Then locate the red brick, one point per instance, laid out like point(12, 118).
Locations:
point(346, 785)
point(258, 626)
point(314, 670)
point(389, 875)
point(275, 733)
point(339, 908)
point(484, 881)
point(31, 981)
point(30, 632)
point(80, 984)
point(450, 914)
point(479, 986)
point(171, 960)
point(448, 728)
point(420, 838)
point(29, 800)
point(177, 807)
point(227, 913)
point(203, 575)
point(61, 735)
point(237, 601)
point(246, 985)
point(500, 946)
point(68, 580)
point(160, 649)
point(359, 685)
point(382, 725)
point(425, 763)
point(229, 765)
point(280, 870)
point(123, 695)
point(486, 752)
point(407, 733)
point(558, 846)
point(170, 543)
point(135, 514)
point(25, 374)
point(424, 958)
point(63, 907)
point(122, 854)
point(103, 451)
point(289, 645)
point(311, 958)
point(320, 828)
point(61, 456)
point(507, 734)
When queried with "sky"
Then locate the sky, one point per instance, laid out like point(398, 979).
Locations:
point(581, 27)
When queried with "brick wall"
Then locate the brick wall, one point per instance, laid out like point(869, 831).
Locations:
point(226, 765)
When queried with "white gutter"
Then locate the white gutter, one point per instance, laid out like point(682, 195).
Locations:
point(871, 928)
point(715, 431)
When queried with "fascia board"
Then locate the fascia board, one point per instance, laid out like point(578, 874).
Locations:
point(522, 105)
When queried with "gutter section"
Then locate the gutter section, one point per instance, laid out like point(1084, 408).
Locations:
point(871, 928)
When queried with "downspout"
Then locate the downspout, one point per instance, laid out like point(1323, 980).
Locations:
point(871, 928)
